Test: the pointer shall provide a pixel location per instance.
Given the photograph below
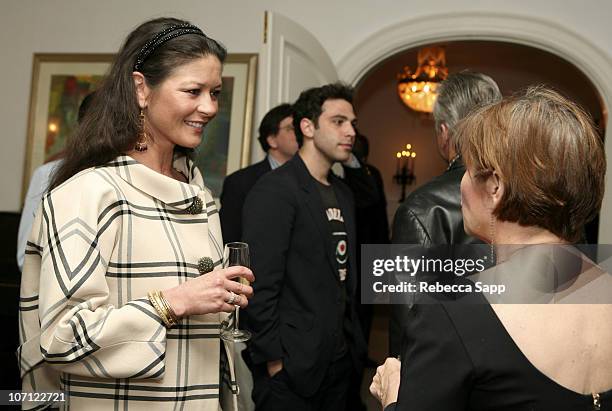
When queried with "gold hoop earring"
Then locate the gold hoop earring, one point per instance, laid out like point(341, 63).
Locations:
point(143, 138)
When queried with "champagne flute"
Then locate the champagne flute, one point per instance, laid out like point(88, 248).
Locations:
point(236, 254)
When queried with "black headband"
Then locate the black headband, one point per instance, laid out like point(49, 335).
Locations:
point(162, 37)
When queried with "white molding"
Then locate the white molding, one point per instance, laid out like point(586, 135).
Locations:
point(512, 28)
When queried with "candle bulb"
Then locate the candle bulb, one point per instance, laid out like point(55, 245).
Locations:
point(399, 159)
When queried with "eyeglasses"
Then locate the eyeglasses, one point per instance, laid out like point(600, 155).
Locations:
point(287, 128)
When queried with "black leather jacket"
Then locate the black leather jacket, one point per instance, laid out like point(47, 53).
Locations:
point(431, 215)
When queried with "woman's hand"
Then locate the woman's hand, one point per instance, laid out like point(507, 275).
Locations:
point(211, 292)
point(274, 367)
point(386, 382)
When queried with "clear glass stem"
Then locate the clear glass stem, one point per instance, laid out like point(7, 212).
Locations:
point(235, 324)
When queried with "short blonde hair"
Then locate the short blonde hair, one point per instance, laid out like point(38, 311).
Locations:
point(548, 154)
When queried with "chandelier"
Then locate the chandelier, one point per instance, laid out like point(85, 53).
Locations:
point(418, 90)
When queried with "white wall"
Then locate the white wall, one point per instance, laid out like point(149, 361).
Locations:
point(88, 26)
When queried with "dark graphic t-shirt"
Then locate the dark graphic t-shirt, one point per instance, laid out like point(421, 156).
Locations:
point(339, 247)
point(338, 230)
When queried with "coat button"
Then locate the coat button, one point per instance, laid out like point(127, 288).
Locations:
point(205, 265)
point(196, 206)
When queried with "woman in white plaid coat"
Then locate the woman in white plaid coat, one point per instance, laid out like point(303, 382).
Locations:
point(122, 293)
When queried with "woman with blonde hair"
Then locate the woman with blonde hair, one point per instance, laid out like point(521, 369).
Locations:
point(535, 177)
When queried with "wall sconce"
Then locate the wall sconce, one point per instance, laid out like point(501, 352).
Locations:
point(404, 171)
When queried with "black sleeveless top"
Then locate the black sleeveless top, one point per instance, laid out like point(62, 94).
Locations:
point(460, 357)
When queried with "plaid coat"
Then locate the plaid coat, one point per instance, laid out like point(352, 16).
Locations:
point(100, 242)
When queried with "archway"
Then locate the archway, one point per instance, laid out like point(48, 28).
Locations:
point(594, 63)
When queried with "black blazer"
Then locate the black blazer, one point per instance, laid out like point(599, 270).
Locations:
point(236, 186)
point(293, 314)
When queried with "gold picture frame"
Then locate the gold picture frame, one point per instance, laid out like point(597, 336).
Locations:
point(59, 83)
point(226, 144)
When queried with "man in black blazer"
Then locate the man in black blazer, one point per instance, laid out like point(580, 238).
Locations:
point(277, 139)
point(299, 223)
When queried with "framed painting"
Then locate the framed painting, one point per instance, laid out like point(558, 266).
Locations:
point(59, 84)
point(226, 142)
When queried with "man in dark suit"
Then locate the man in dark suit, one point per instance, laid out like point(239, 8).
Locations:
point(277, 139)
point(299, 222)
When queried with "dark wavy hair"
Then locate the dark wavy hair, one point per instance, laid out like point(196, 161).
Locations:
point(111, 125)
point(310, 104)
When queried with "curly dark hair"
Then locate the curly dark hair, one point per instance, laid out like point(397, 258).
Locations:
point(310, 104)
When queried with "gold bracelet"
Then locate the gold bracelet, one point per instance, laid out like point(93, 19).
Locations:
point(169, 309)
point(166, 307)
point(171, 323)
point(159, 310)
point(157, 304)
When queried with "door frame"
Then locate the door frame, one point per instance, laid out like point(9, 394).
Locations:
point(595, 63)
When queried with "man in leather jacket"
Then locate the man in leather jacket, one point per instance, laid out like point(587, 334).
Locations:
point(431, 215)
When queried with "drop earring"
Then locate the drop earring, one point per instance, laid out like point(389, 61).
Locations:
point(492, 237)
point(143, 138)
